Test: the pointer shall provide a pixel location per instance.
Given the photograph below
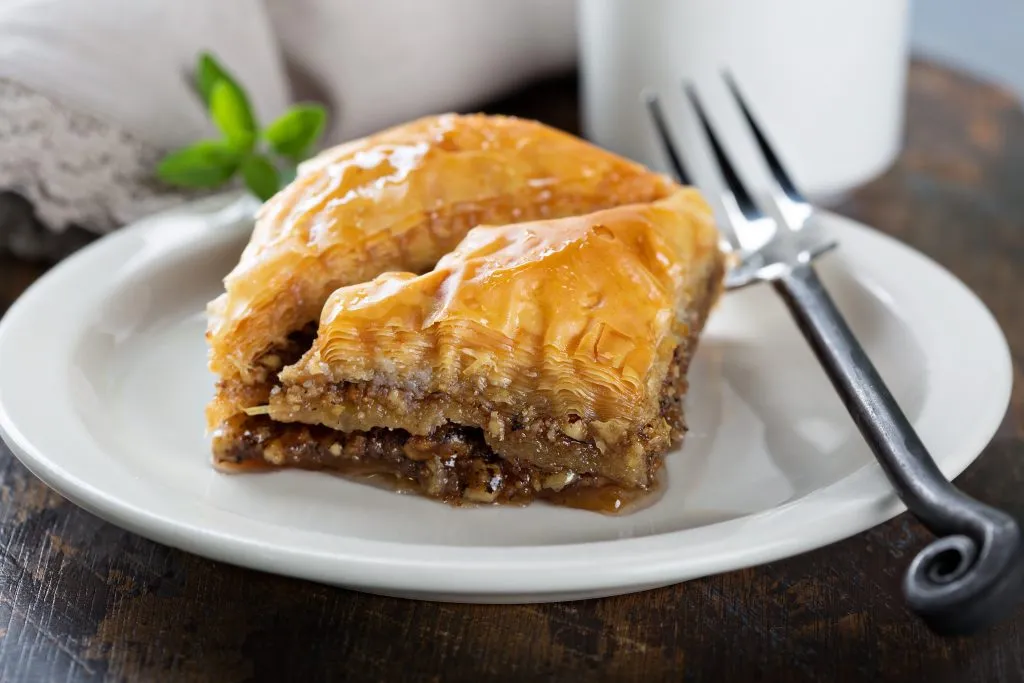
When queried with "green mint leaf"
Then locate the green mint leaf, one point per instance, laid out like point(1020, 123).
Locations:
point(230, 110)
point(207, 163)
point(260, 176)
point(208, 72)
point(296, 131)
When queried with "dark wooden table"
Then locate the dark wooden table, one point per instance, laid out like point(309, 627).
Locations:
point(81, 600)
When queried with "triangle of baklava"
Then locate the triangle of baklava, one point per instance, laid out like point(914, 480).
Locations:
point(395, 201)
point(544, 359)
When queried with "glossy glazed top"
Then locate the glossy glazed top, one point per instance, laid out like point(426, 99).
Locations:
point(576, 315)
point(400, 200)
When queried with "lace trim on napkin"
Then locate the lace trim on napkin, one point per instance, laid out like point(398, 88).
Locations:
point(80, 174)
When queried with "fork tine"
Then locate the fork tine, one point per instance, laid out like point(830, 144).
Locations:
point(661, 128)
point(786, 183)
point(736, 188)
point(730, 238)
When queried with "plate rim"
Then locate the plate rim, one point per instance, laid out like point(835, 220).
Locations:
point(533, 572)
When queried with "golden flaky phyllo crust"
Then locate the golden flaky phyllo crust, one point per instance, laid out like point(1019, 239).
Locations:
point(396, 201)
point(575, 317)
point(573, 321)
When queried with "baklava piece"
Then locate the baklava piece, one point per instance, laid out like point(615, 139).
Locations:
point(395, 201)
point(544, 359)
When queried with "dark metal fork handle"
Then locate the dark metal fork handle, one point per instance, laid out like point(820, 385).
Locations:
point(972, 575)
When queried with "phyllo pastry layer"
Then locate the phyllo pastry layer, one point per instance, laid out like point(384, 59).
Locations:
point(537, 359)
point(395, 201)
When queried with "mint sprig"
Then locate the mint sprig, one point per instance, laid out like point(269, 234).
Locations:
point(261, 176)
point(266, 158)
point(206, 163)
point(208, 73)
point(231, 111)
point(295, 131)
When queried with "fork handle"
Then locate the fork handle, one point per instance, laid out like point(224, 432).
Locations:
point(972, 575)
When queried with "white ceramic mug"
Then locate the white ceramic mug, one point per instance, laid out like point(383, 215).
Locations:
point(825, 79)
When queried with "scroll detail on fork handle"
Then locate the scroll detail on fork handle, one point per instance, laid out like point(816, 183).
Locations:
point(972, 575)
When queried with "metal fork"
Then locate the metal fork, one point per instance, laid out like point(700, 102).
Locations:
point(972, 574)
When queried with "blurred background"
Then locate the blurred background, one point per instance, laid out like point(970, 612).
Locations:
point(94, 92)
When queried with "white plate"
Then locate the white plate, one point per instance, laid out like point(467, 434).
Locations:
point(103, 382)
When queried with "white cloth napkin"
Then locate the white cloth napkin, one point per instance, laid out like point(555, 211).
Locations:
point(93, 91)
point(127, 62)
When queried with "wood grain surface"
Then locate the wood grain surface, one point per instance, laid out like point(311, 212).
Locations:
point(81, 600)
